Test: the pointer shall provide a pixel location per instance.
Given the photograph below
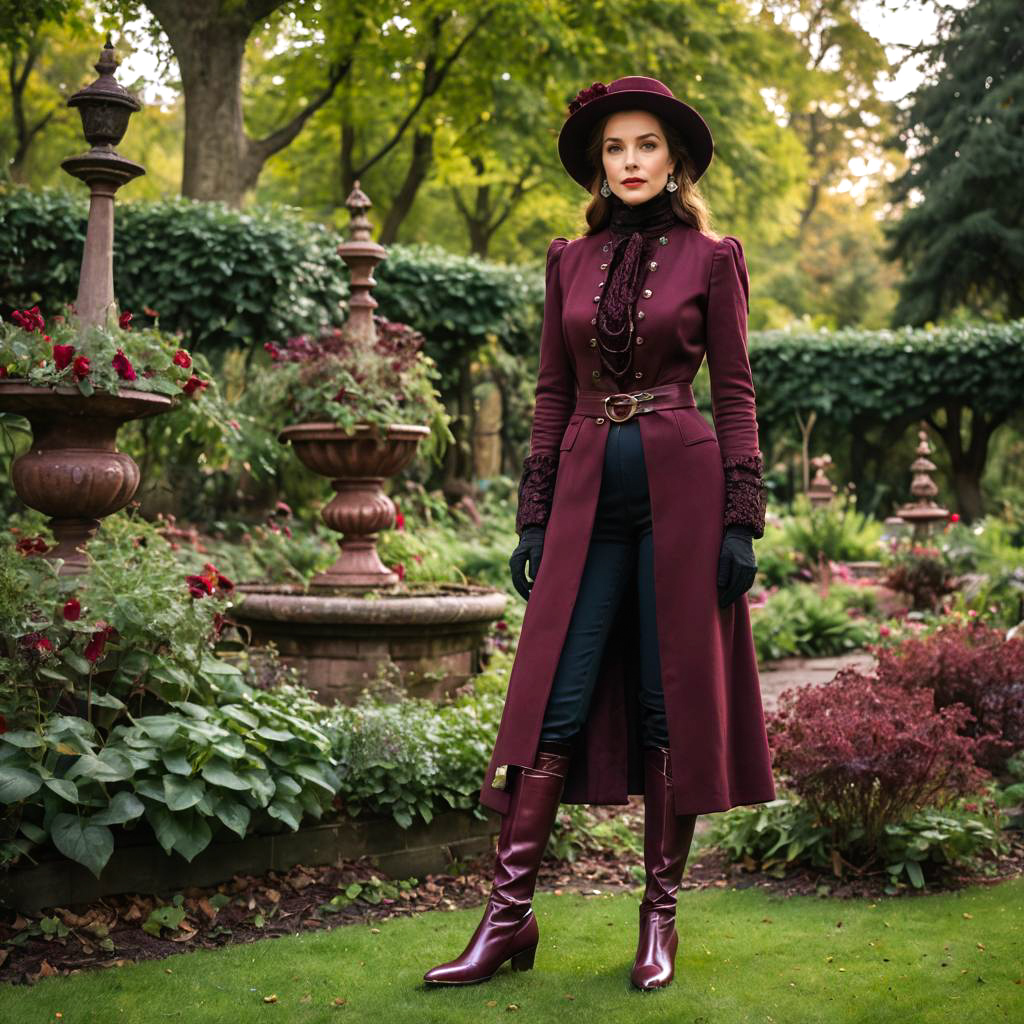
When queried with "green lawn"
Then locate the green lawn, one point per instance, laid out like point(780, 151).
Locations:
point(744, 956)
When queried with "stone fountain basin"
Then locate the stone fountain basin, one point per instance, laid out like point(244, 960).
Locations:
point(432, 632)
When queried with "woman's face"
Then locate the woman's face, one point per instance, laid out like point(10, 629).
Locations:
point(635, 155)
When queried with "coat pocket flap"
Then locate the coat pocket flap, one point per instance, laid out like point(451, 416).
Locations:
point(693, 428)
point(569, 437)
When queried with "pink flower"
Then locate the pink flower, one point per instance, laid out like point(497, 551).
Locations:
point(954, 518)
point(884, 630)
point(62, 356)
point(182, 359)
point(80, 369)
point(72, 609)
point(194, 384)
point(272, 350)
point(124, 368)
point(124, 320)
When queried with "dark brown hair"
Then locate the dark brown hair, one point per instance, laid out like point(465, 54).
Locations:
point(687, 202)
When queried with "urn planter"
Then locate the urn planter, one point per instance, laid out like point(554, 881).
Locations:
point(73, 471)
point(357, 464)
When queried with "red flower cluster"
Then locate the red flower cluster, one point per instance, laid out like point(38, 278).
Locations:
point(586, 95)
point(206, 583)
point(62, 356)
point(194, 384)
point(123, 365)
point(182, 359)
point(31, 546)
point(29, 319)
point(124, 320)
point(72, 609)
point(36, 642)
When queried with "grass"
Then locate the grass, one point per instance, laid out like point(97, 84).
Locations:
point(744, 956)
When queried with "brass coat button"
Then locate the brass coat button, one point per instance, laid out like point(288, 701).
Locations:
point(593, 320)
point(639, 340)
point(600, 419)
point(638, 374)
point(597, 298)
point(604, 266)
point(648, 293)
point(653, 264)
point(595, 374)
point(593, 342)
point(641, 315)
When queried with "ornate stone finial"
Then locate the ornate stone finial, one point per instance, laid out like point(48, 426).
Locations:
point(922, 512)
point(105, 107)
point(821, 488)
point(362, 254)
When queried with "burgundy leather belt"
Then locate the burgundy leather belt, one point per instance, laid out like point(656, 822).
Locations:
point(620, 406)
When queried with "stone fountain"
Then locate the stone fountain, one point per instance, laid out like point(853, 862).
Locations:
point(73, 471)
point(923, 512)
point(357, 616)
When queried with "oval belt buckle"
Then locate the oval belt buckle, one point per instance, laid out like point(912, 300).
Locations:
point(632, 406)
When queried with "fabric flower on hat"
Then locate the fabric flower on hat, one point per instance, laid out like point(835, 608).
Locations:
point(586, 95)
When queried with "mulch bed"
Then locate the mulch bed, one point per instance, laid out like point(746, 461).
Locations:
point(108, 933)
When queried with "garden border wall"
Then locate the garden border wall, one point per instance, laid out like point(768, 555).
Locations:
point(399, 852)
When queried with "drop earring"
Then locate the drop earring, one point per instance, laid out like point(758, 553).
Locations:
point(606, 190)
point(671, 185)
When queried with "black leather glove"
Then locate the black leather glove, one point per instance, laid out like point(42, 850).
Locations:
point(529, 549)
point(737, 566)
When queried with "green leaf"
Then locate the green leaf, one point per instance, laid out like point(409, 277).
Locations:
point(106, 700)
point(81, 665)
point(181, 794)
point(163, 917)
point(16, 784)
point(274, 735)
point(915, 873)
point(160, 727)
point(219, 773)
point(287, 811)
point(125, 806)
point(240, 715)
point(109, 766)
point(188, 833)
point(81, 841)
point(235, 816)
point(23, 738)
point(64, 788)
point(175, 761)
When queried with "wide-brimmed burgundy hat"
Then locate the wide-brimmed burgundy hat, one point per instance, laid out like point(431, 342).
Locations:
point(634, 92)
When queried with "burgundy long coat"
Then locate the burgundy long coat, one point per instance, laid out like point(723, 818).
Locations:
point(720, 755)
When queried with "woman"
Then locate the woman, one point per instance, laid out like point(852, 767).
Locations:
point(635, 670)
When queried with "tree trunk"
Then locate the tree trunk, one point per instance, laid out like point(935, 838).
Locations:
point(968, 466)
point(208, 38)
point(419, 168)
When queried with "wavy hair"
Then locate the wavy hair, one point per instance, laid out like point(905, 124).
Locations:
point(688, 204)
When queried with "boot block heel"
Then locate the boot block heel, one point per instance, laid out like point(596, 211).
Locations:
point(524, 961)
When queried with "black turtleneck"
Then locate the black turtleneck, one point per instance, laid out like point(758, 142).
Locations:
point(651, 217)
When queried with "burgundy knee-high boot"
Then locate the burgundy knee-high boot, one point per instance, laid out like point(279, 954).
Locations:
point(667, 838)
point(508, 929)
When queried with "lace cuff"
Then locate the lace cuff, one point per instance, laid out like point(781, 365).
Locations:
point(536, 491)
point(744, 492)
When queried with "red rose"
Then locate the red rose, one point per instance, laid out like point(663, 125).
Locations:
point(62, 355)
point(182, 359)
point(97, 643)
point(80, 369)
point(31, 546)
point(194, 384)
point(124, 320)
point(28, 319)
point(124, 368)
point(72, 609)
point(218, 579)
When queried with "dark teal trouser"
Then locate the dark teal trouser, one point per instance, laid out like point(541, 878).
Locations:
point(621, 541)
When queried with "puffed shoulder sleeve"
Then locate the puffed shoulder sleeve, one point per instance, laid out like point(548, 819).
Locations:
point(733, 404)
point(555, 396)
